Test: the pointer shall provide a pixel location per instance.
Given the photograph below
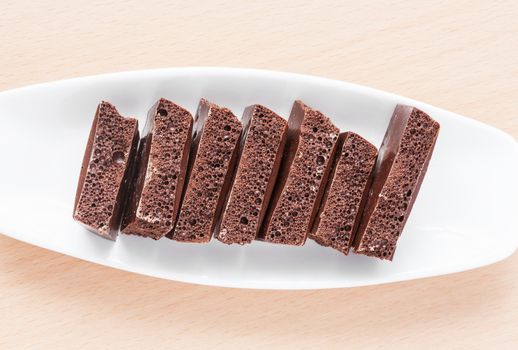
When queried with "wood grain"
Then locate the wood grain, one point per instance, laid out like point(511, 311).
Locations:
point(459, 55)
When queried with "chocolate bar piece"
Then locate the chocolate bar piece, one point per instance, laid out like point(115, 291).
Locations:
point(309, 152)
point(107, 162)
point(214, 152)
point(346, 192)
point(161, 165)
point(260, 156)
point(403, 159)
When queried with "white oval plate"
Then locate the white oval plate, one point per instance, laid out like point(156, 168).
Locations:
point(465, 216)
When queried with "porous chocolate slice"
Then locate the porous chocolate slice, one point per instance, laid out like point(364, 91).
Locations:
point(260, 156)
point(107, 162)
point(304, 170)
point(214, 152)
point(346, 192)
point(161, 165)
point(403, 159)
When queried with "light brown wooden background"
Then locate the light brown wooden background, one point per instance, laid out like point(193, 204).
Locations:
point(459, 55)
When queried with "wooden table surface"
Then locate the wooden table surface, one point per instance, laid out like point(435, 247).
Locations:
point(459, 55)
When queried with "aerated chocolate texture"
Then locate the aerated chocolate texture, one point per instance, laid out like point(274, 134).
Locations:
point(346, 191)
point(261, 152)
point(161, 166)
point(404, 155)
point(308, 156)
point(107, 162)
point(215, 145)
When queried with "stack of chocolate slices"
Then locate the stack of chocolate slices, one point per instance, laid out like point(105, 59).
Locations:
point(261, 178)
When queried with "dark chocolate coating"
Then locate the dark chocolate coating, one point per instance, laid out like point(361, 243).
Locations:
point(105, 171)
point(310, 149)
point(346, 192)
point(401, 166)
point(211, 164)
point(262, 145)
point(161, 165)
